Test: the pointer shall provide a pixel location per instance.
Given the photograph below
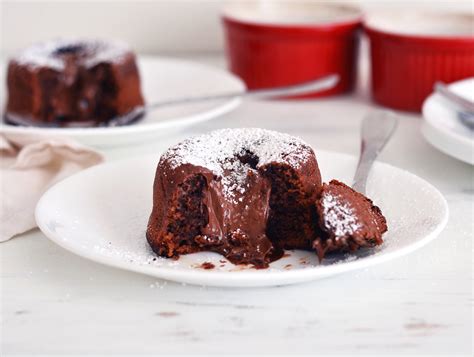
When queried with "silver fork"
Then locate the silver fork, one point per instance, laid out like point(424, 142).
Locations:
point(376, 130)
point(312, 86)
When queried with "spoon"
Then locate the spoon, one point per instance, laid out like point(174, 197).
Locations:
point(463, 106)
point(313, 86)
point(376, 130)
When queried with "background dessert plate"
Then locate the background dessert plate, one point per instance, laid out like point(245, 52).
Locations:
point(442, 128)
point(100, 218)
point(162, 79)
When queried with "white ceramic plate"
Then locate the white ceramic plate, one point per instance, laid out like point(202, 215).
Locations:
point(162, 78)
point(443, 129)
point(99, 217)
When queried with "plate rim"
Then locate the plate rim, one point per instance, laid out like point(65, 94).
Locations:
point(218, 110)
point(240, 278)
point(432, 135)
point(440, 136)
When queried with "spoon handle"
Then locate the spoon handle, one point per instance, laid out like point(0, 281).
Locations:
point(377, 128)
point(312, 86)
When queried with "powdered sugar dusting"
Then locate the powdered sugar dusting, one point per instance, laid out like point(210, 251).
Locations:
point(338, 216)
point(219, 151)
point(45, 54)
point(141, 256)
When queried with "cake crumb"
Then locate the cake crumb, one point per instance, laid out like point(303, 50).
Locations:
point(167, 314)
point(303, 261)
point(207, 265)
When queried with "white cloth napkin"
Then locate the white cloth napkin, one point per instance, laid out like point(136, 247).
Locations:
point(29, 165)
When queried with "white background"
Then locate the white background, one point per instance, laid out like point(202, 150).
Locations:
point(151, 27)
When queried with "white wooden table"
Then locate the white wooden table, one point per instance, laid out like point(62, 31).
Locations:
point(54, 302)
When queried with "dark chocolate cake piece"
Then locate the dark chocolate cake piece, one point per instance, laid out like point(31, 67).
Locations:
point(73, 83)
point(250, 193)
point(348, 220)
point(244, 193)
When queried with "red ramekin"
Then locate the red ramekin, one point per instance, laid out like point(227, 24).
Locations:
point(266, 49)
point(406, 62)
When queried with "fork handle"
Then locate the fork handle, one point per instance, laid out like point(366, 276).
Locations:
point(376, 130)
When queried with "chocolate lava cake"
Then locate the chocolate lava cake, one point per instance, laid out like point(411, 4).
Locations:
point(347, 219)
point(244, 193)
point(73, 83)
point(248, 194)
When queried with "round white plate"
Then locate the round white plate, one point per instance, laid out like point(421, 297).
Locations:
point(162, 79)
point(101, 218)
point(442, 128)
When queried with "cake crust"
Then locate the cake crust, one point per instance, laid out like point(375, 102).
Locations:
point(244, 173)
